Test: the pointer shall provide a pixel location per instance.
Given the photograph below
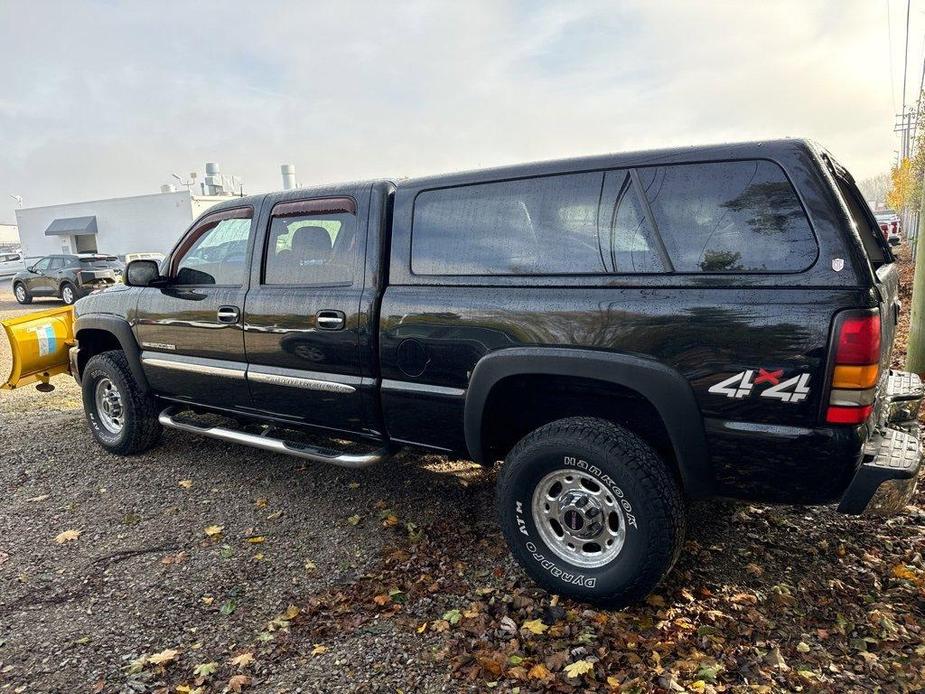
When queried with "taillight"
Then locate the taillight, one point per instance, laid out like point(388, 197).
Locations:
point(858, 340)
point(857, 369)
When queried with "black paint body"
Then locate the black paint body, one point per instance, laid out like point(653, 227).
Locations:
point(650, 346)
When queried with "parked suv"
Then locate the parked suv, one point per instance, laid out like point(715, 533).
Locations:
point(625, 332)
point(68, 277)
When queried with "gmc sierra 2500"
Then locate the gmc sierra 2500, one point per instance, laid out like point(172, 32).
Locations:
point(625, 332)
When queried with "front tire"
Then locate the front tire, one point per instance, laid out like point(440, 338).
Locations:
point(591, 511)
point(68, 293)
point(22, 294)
point(122, 418)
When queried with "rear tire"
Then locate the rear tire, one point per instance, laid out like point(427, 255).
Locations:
point(122, 418)
point(591, 511)
point(68, 293)
point(22, 294)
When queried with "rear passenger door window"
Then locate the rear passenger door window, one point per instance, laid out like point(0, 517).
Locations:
point(729, 217)
point(538, 226)
point(308, 245)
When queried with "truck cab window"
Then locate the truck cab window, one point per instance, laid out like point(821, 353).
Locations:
point(217, 255)
point(311, 249)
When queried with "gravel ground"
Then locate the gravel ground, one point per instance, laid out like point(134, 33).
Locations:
point(396, 579)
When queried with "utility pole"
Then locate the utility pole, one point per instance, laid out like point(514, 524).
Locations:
point(915, 353)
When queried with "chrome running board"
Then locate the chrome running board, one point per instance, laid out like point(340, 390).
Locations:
point(263, 441)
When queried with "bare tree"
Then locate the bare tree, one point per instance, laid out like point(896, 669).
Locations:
point(875, 188)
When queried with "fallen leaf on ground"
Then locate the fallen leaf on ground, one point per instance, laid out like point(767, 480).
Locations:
point(539, 672)
point(256, 540)
point(390, 522)
point(238, 682)
point(578, 668)
point(41, 497)
point(214, 531)
point(185, 484)
point(354, 519)
point(243, 660)
point(67, 536)
point(205, 669)
point(168, 655)
point(261, 502)
point(319, 649)
point(535, 626)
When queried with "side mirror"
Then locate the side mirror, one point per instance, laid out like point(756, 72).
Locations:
point(31, 269)
point(143, 273)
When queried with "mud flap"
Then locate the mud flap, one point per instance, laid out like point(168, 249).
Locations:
point(40, 342)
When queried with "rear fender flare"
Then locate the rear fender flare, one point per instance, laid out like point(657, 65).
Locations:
point(666, 389)
point(122, 331)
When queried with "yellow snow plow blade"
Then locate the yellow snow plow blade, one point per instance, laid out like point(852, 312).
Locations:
point(40, 342)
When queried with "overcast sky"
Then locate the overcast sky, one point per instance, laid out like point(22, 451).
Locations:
point(102, 99)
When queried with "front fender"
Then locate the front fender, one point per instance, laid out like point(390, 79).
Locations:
point(666, 389)
point(122, 331)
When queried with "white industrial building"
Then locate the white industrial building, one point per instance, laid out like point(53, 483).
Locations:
point(136, 224)
point(9, 236)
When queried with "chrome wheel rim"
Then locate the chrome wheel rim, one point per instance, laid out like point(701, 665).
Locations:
point(20, 292)
point(68, 295)
point(109, 406)
point(578, 518)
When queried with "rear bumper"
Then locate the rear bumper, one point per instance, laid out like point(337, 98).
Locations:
point(887, 476)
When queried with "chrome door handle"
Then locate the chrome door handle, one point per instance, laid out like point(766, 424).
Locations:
point(228, 314)
point(331, 320)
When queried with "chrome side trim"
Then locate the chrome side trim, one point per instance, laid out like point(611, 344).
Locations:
point(193, 367)
point(354, 461)
point(299, 382)
point(409, 387)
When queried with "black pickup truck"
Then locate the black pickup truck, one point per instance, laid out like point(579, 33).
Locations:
point(625, 332)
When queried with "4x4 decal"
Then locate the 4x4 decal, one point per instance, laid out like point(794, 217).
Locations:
point(742, 385)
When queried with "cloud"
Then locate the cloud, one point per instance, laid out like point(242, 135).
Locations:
point(102, 99)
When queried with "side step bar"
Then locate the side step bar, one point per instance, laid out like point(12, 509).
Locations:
point(316, 454)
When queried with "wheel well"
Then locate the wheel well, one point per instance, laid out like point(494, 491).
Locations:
point(519, 404)
point(92, 342)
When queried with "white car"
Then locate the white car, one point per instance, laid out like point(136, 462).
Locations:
point(11, 263)
point(157, 257)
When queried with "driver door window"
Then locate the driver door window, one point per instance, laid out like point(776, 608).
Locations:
point(216, 253)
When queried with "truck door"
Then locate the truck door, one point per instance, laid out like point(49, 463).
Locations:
point(303, 318)
point(190, 331)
